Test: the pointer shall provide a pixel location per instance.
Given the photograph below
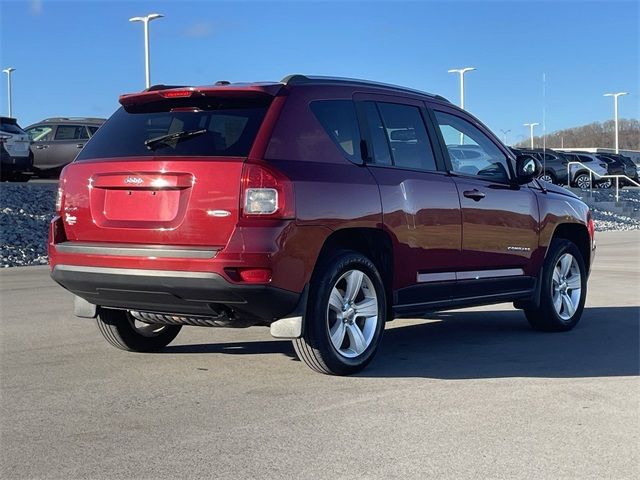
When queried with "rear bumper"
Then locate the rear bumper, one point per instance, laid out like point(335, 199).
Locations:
point(17, 164)
point(197, 293)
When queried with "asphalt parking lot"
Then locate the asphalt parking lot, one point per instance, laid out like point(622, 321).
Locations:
point(466, 394)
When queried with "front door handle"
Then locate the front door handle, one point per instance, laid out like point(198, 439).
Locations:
point(474, 194)
point(41, 147)
point(80, 145)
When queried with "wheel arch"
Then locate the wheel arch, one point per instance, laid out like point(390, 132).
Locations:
point(374, 243)
point(578, 234)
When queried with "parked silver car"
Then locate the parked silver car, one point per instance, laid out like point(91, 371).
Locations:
point(57, 142)
point(580, 176)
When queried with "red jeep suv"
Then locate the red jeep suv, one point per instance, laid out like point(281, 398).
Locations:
point(321, 207)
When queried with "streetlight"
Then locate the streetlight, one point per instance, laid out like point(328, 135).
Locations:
point(8, 72)
point(504, 133)
point(461, 71)
point(531, 125)
point(615, 110)
point(145, 21)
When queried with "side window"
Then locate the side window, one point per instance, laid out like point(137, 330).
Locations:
point(92, 130)
point(42, 133)
point(481, 158)
point(70, 132)
point(584, 158)
point(407, 136)
point(338, 118)
point(376, 135)
point(84, 133)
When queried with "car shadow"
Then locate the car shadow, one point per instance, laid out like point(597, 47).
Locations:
point(479, 344)
point(487, 344)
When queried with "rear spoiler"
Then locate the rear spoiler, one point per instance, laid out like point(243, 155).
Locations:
point(161, 92)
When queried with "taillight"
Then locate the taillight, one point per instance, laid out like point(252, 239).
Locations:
point(590, 226)
point(59, 200)
point(266, 193)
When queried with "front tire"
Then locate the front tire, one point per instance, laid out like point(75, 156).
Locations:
point(346, 313)
point(563, 289)
point(547, 177)
point(122, 331)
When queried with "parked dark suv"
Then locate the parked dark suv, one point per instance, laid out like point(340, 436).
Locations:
point(55, 142)
point(554, 164)
point(320, 207)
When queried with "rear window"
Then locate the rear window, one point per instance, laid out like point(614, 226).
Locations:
point(211, 126)
point(10, 127)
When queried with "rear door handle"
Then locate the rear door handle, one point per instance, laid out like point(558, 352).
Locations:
point(41, 147)
point(80, 145)
point(474, 194)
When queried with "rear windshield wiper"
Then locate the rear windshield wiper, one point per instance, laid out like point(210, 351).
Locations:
point(172, 137)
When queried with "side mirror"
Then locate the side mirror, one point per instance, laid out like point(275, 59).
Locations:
point(527, 168)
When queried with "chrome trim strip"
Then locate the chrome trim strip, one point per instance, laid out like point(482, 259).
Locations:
point(436, 277)
point(478, 274)
point(128, 250)
point(136, 272)
point(472, 275)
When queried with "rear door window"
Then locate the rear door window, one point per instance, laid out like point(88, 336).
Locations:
point(407, 136)
point(71, 132)
point(217, 127)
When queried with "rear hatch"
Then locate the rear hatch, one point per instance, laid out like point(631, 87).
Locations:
point(15, 140)
point(165, 169)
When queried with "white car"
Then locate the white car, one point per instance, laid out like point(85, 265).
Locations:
point(16, 143)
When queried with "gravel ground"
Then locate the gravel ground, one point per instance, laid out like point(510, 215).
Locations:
point(25, 213)
point(26, 210)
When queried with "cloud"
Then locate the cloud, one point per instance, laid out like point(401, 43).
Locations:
point(35, 7)
point(199, 30)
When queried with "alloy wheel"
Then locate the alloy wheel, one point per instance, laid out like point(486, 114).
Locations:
point(547, 178)
point(566, 286)
point(352, 314)
point(583, 182)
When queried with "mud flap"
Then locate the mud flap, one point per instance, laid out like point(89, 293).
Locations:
point(292, 325)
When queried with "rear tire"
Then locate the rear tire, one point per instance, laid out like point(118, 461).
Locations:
point(563, 290)
point(346, 313)
point(582, 181)
point(122, 331)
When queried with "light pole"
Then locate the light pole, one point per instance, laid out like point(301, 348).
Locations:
point(145, 21)
point(531, 125)
point(461, 71)
point(504, 133)
point(615, 110)
point(8, 72)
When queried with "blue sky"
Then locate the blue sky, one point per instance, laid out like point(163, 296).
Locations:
point(73, 58)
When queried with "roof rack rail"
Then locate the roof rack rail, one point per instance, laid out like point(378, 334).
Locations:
point(74, 119)
point(298, 79)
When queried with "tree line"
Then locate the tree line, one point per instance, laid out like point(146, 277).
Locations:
point(601, 135)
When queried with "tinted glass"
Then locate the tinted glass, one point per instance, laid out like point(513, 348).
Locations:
point(230, 127)
point(407, 136)
point(460, 135)
point(584, 159)
point(377, 138)
point(10, 127)
point(71, 132)
point(338, 118)
point(41, 133)
point(92, 130)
